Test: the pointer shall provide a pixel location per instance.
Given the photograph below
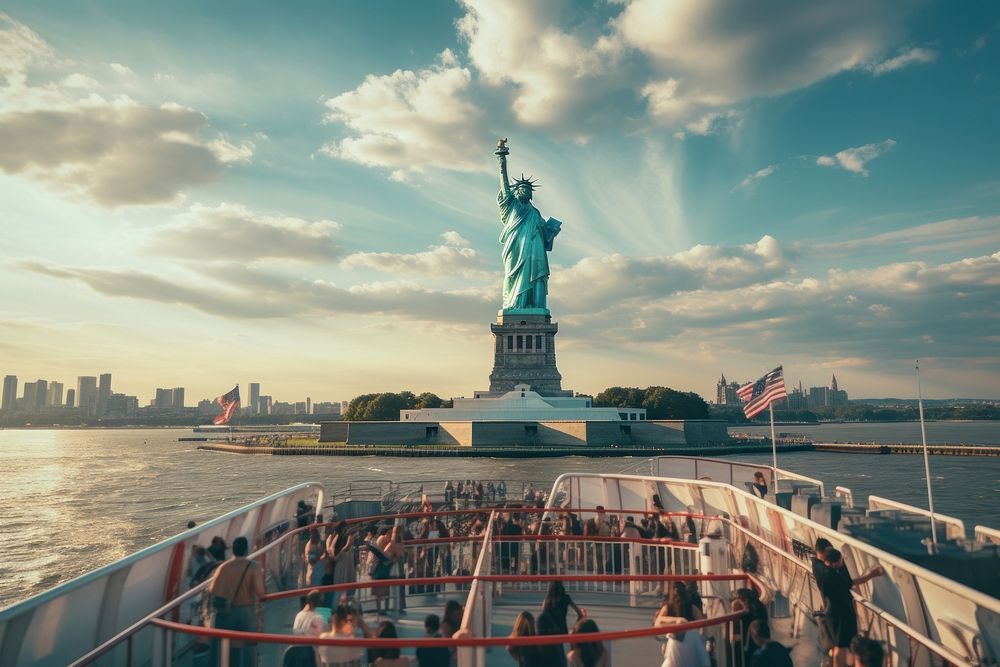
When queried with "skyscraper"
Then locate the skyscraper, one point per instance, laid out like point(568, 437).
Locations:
point(178, 402)
point(253, 407)
point(54, 398)
point(164, 399)
point(103, 394)
point(41, 393)
point(71, 398)
point(9, 393)
point(86, 395)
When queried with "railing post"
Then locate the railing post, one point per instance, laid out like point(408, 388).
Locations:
point(224, 652)
point(157, 651)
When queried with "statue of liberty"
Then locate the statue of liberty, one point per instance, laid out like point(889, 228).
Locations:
point(525, 238)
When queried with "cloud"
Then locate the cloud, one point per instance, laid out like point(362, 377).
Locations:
point(756, 177)
point(237, 233)
point(410, 120)
point(556, 72)
point(236, 291)
point(709, 53)
point(969, 233)
point(614, 278)
point(454, 257)
point(854, 159)
point(902, 60)
point(123, 70)
point(114, 151)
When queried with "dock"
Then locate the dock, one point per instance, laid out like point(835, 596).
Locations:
point(902, 448)
point(418, 451)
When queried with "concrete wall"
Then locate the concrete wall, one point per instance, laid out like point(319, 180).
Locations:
point(528, 433)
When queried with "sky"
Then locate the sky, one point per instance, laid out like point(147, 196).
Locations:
point(303, 194)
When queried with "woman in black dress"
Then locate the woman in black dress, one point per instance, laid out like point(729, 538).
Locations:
point(841, 617)
point(557, 603)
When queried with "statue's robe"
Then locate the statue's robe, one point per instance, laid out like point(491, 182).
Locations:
point(525, 238)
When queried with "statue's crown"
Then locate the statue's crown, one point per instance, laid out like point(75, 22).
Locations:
point(530, 182)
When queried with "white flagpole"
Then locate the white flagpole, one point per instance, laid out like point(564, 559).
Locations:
point(927, 465)
point(774, 447)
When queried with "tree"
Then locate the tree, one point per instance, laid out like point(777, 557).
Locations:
point(659, 402)
point(428, 400)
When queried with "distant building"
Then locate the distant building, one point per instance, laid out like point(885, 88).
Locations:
point(30, 396)
point(71, 398)
point(54, 397)
point(120, 405)
point(327, 408)
point(207, 406)
point(826, 397)
point(103, 393)
point(264, 405)
point(178, 399)
point(725, 392)
point(9, 401)
point(837, 396)
point(309, 406)
point(282, 408)
point(86, 395)
point(164, 399)
point(253, 405)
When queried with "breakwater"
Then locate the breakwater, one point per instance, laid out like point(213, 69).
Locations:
point(495, 452)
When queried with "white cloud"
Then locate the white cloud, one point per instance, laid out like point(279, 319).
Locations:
point(756, 177)
point(409, 120)
point(113, 151)
point(556, 72)
point(902, 60)
point(237, 233)
point(969, 233)
point(854, 159)
point(123, 70)
point(454, 257)
point(711, 54)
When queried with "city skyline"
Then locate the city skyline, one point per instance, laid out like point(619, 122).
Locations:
point(738, 190)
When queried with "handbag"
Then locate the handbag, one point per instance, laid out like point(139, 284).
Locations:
point(223, 604)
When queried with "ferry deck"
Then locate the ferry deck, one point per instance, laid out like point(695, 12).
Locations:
point(142, 610)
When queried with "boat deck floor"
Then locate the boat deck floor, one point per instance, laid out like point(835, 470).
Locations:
point(610, 611)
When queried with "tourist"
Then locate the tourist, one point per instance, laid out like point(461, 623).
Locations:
point(449, 493)
point(867, 652)
point(302, 513)
point(379, 567)
point(491, 491)
point(691, 530)
point(748, 602)
point(682, 649)
point(768, 653)
point(510, 549)
point(819, 571)
point(680, 603)
point(308, 622)
point(630, 532)
point(312, 557)
point(237, 586)
point(217, 549)
point(840, 613)
point(551, 655)
point(759, 484)
point(502, 490)
point(557, 604)
point(387, 657)
point(433, 656)
point(525, 656)
point(451, 620)
point(346, 622)
point(587, 654)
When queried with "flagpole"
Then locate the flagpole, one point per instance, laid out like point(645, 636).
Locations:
point(774, 447)
point(927, 465)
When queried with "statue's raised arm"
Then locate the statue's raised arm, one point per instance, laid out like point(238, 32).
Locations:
point(501, 152)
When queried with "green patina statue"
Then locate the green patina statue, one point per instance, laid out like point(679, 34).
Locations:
point(525, 238)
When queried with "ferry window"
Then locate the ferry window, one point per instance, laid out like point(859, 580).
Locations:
point(623, 416)
point(527, 342)
point(510, 342)
point(538, 343)
point(520, 342)
point(631, 416)
point(642, 417)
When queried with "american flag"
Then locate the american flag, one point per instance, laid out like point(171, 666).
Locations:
point(758, 395)
point(229, 401)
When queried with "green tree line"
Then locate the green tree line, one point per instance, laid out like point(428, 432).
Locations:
point(385, 406)
point(659, 402)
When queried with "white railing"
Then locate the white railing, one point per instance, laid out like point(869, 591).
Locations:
point(733, 473)
point(478, 618)
point(57, 626)
point(986, 535)
point(951, 616)
point(955, 528)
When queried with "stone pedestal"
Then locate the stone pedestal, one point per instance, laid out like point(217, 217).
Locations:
point(524, 347)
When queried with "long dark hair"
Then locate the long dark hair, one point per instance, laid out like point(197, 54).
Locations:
point(386, 630)
point(755, 608)
point(554, 595)
point(590, 652)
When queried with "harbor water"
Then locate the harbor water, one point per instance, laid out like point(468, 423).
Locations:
point(74, 500)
